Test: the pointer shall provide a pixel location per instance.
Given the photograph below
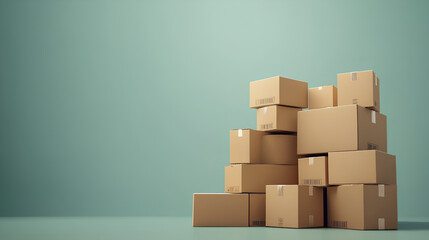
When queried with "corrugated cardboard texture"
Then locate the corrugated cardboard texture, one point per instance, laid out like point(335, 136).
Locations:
point(361, 167)
point(362, 88)
point(342, 128)
point(292, 206)
point(245, 146)
point(360, 207)
point(321, 97)
point(313, 171)
point(277, 119)
point(278, 91)
point(279, 149)
point(252, 178)
point(220, 210)
point(256, 209)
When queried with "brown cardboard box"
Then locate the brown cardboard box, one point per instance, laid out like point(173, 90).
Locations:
point(362, 88)
point(277, 119)
point(278, 91)
point(256, 209)
point(342, 128)
point(313, 171)
point(362, 207)
point(279, 149)
point(220, 210)
point(321, 97)
point(252, 178)
point(294, 206)
point(245, 146)
point(366, 167)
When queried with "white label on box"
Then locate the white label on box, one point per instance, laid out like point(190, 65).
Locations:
point(380, 190)
point(381, 224)
point(320, 88)
point(265, 110)
point(310, 191)
point(373, 117)
point(279, 190)
point(240, 132)
point(310, 161)
point(311, 220)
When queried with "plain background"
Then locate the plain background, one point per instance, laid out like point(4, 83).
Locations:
point(119, 108)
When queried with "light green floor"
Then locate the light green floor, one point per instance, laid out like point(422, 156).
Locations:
point(180, 228)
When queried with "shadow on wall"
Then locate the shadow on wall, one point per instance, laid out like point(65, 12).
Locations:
point(413, 226)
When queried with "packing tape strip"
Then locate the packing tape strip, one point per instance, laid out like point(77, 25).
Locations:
point(310, 161)
point(310, 191)
point(353, 76)
point(320, 88)
point(373, 117)
point(375, 80)
point(380, 190)
point(240, 132)
point(265, 110)
point(311, 220)
point(279, 190)
point(381, 224)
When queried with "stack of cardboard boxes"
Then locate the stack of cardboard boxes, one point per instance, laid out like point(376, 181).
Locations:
point(345, 177)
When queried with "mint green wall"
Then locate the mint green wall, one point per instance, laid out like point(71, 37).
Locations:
point(124, 107)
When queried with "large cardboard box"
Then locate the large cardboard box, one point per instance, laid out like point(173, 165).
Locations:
point(294, 206)
point(277, 118)
point(342, 128)
point(366, 167)
point(256, 209)
point(362, 207)
point(278, 91)
point(321, 97)
point(362, 88)
point(279, 149)
point(313, 171)
point(245, 146)
point(252, 178)
point(220, 210)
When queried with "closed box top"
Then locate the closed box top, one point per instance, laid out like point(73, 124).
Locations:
point(361, 167)
point(220, 210)
point(321, 97)
point(278, 91)
point(342, 128)
point(362, 88)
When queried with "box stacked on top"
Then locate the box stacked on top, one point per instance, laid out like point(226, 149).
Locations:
point(344, 178)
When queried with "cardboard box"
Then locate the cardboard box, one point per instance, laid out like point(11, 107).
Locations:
point(321, 97)
point(342, 128)
point(313, 171)
point(252, 178)
point(366, 167)
point(279, 149)
point(294, 206)
point(278, 91)
point(220, 210)
point(362, 88)
point(245, 146)
point(277, 119)
point(256, 209)
point(362, 207)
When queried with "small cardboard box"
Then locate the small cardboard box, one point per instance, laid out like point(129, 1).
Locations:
point(313, 171)
point(279, 149)
point(362, 207)
point(362, 88)
point(321, 97)
point(278, 91)
point(294, 206)
point(256, 209)
point(220, 210)
point(342, 128)
point(277, 119)
point(361, 167)
point(252, 178)
point(245, 146)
